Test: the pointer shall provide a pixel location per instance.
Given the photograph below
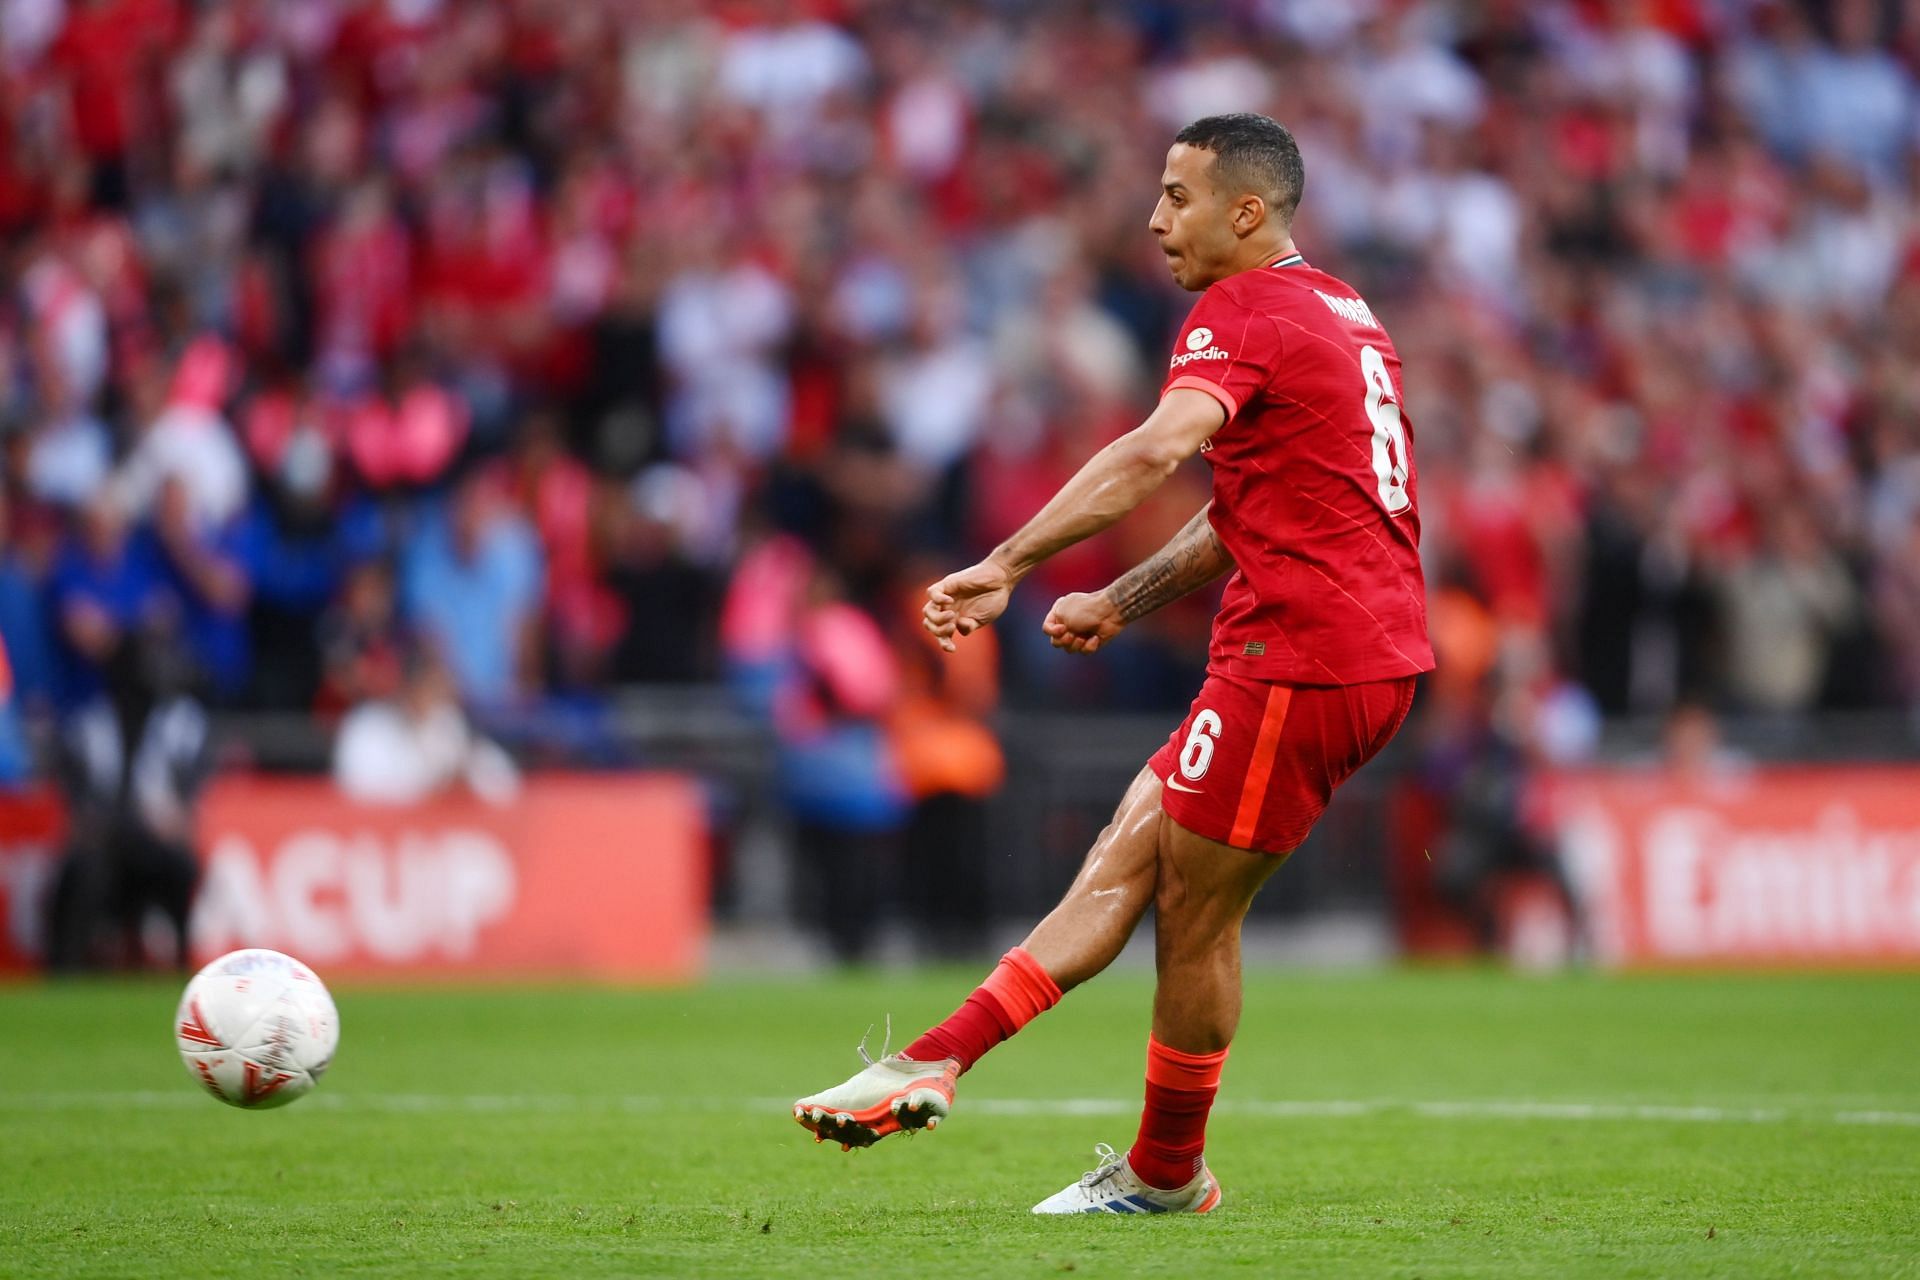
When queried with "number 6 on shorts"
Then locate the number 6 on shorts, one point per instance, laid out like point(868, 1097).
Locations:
point(1197, 754)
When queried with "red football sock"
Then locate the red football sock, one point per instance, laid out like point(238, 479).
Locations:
point(1173, 1128)
point(1014, 994)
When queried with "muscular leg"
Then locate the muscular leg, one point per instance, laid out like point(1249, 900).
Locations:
point(1076, 940)
point(1204, 892)
point(1080, 937)
point(1103, 906)
point(1205, 888)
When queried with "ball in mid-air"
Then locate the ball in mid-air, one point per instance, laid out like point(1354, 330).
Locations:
point(256, 1028)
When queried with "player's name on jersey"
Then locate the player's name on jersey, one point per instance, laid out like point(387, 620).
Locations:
point(1351, 309)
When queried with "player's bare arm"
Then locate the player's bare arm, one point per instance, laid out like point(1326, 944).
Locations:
point(1113, 482)
point(1083, 621)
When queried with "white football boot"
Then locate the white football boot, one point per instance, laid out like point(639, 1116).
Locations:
point(1114, 1187)
point(890, 1096)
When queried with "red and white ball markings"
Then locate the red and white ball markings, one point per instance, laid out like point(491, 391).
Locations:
point(257, 1028)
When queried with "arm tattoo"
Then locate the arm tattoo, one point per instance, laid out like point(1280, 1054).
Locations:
point(1192, 559)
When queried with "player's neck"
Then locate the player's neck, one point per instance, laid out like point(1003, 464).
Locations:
point(1266, 254)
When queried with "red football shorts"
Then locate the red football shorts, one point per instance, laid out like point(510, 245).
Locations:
point(1254, 764)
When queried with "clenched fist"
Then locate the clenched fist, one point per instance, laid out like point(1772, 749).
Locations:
point(1082, 622)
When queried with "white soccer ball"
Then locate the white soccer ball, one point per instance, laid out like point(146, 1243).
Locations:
point(256, 1028)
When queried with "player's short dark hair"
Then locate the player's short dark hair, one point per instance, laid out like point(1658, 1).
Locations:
point(1252, 152)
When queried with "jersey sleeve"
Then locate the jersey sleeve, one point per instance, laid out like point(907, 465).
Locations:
point(1225, 349)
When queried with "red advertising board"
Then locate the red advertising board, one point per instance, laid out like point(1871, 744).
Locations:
point(1775, 866)
point(32, 825)
point(599, 876)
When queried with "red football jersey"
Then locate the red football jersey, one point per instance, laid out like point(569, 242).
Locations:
point(1313, 482)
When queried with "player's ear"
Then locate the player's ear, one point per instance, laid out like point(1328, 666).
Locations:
point(1249, 215)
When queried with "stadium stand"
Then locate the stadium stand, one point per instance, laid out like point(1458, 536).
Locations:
point(522, 328)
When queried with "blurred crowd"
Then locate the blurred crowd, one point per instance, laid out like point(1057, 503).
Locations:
point(584, 343)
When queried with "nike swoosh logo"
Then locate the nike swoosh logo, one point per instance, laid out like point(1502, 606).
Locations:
point(1178, 785)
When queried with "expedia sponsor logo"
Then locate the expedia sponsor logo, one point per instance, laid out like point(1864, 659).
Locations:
point(1211, 353)
point(1199, 338)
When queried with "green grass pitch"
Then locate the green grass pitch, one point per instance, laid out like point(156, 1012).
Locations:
point(1431, 1124)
